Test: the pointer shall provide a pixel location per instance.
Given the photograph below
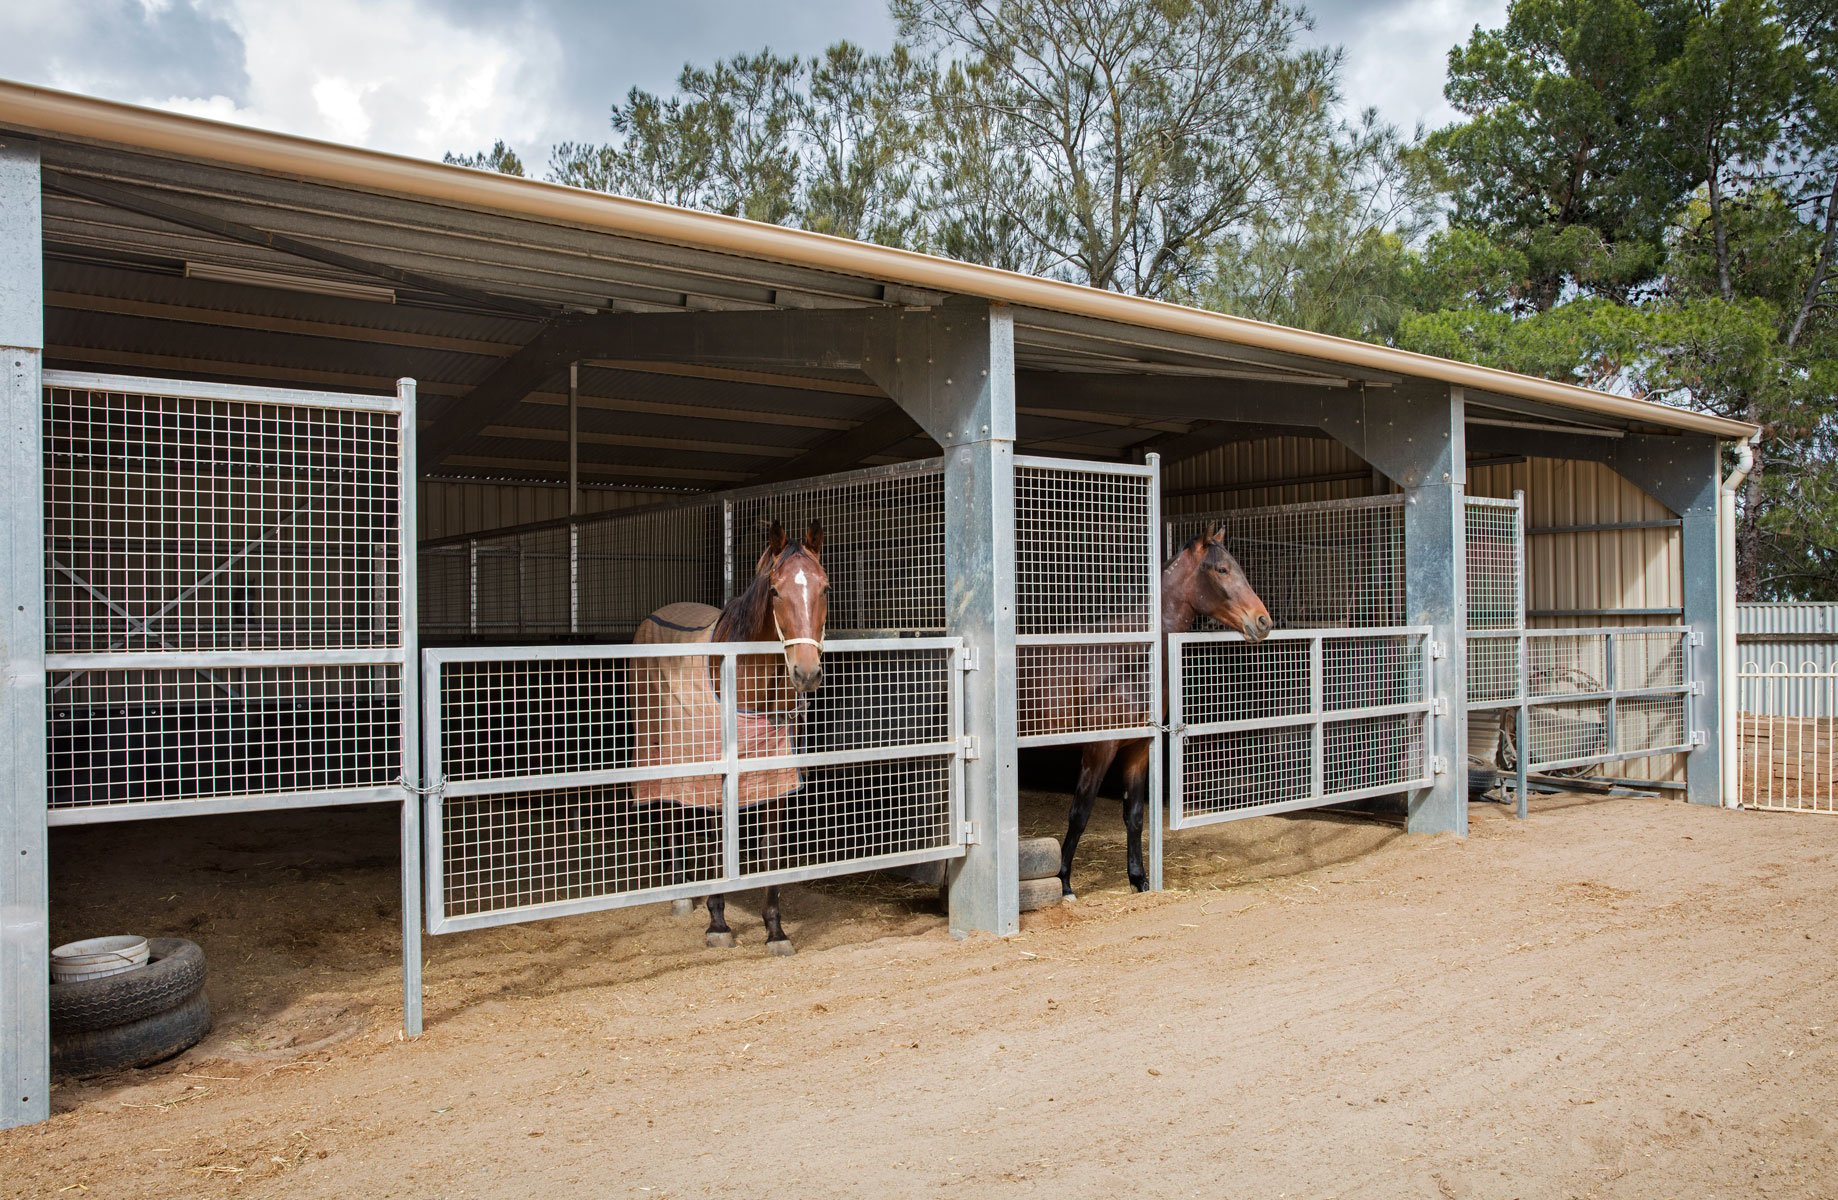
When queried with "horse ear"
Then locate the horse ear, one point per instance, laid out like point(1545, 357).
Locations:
point(813, 538)
point(775, 538)
point(1215, 534)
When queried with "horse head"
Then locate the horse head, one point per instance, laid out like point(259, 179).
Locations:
point(799, 601)
point(1220, 590)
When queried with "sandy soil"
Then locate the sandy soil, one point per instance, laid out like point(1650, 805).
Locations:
point(1615, 998)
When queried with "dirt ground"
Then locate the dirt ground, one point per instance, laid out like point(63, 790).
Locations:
point(1615, 998)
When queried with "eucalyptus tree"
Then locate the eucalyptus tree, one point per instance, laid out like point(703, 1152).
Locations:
point(1113, 141)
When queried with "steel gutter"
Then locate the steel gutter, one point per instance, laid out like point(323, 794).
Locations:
point(45, 112)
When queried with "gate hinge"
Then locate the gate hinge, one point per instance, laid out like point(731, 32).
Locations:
point(973, 749)
point(1697, 737)
point(1696, 638)
point(1441, 707)
point(969, 834)
point(966, 659)
point(1439, 765)
point(1697, 687)
point(1439, 649)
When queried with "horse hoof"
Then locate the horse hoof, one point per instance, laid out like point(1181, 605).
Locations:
point(1069, 897)
point(721, 941)
point(682, 908)
point(783, 948)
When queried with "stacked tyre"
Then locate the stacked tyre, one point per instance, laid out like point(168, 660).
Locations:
point(1039, 870)
point(132, 1019)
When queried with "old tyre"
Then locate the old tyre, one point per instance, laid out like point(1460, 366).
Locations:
point(173, 975)
point(1039, 857)
point(137, 1044)
point(1040, 893)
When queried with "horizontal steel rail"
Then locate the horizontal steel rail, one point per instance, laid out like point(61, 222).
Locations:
point(190, 389)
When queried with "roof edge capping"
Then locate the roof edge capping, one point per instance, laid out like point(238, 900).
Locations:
point(48, 112)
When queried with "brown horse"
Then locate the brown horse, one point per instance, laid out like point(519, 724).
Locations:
point(787, 602)
point(1203, 580)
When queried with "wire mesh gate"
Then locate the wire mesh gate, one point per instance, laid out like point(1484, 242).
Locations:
point(1334, 705)
point(1302, 719)
point(1576, 697)
point(573, 779)
point(226, 570)
point(1087, 601)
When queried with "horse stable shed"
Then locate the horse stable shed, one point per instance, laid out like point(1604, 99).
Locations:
point(341, 478)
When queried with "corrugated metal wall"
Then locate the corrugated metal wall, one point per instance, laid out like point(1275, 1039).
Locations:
point(1573, 575)
point(1790, 636)
point(452, 507)
point(1281, 470)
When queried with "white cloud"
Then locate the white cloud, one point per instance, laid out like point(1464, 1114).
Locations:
point(394, 75)
point(1397, 54)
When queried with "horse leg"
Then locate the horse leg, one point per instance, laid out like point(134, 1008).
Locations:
point(1135, 762)
point(679, 841)
point(1093, 763)
point(719, 936)
point(776, 941)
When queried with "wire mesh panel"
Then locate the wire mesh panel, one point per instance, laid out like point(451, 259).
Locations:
point(1087, 600)
point(1495, 536)
point(883, 542)
point(1787, 754)
point(1606, 695)
point(226, 570)
point(570, 779)
point(601, 575)
point(1338, 564)
point(1301, 719)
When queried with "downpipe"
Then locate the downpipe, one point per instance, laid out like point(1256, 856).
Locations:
point(1729, 679)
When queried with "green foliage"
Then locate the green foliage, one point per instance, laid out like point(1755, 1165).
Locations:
point(500, 158)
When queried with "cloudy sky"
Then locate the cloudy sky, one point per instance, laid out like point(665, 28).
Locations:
point(425, 76)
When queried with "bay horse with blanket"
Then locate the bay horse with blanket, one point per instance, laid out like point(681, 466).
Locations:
point(1202, 580)
point(678, 701)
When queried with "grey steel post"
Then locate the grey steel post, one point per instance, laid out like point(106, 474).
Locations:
point(407, 608)
point(574, 439)
point(1417, 437)
point(1158, 688)
point(25, 949)
point(952, 369)
point(1682, 473)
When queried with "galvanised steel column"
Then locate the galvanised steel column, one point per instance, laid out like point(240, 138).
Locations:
point(25, 998)
point(952, 369)
point(1416, 436)
point(1681, 472)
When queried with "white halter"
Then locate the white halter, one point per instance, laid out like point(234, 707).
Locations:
point(788, 643)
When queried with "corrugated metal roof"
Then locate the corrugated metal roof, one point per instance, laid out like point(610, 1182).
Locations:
point(541, 242)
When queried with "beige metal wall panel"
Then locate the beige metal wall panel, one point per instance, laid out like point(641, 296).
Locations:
point(1624, 569)
point(452, 507)
point(1293, 470)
